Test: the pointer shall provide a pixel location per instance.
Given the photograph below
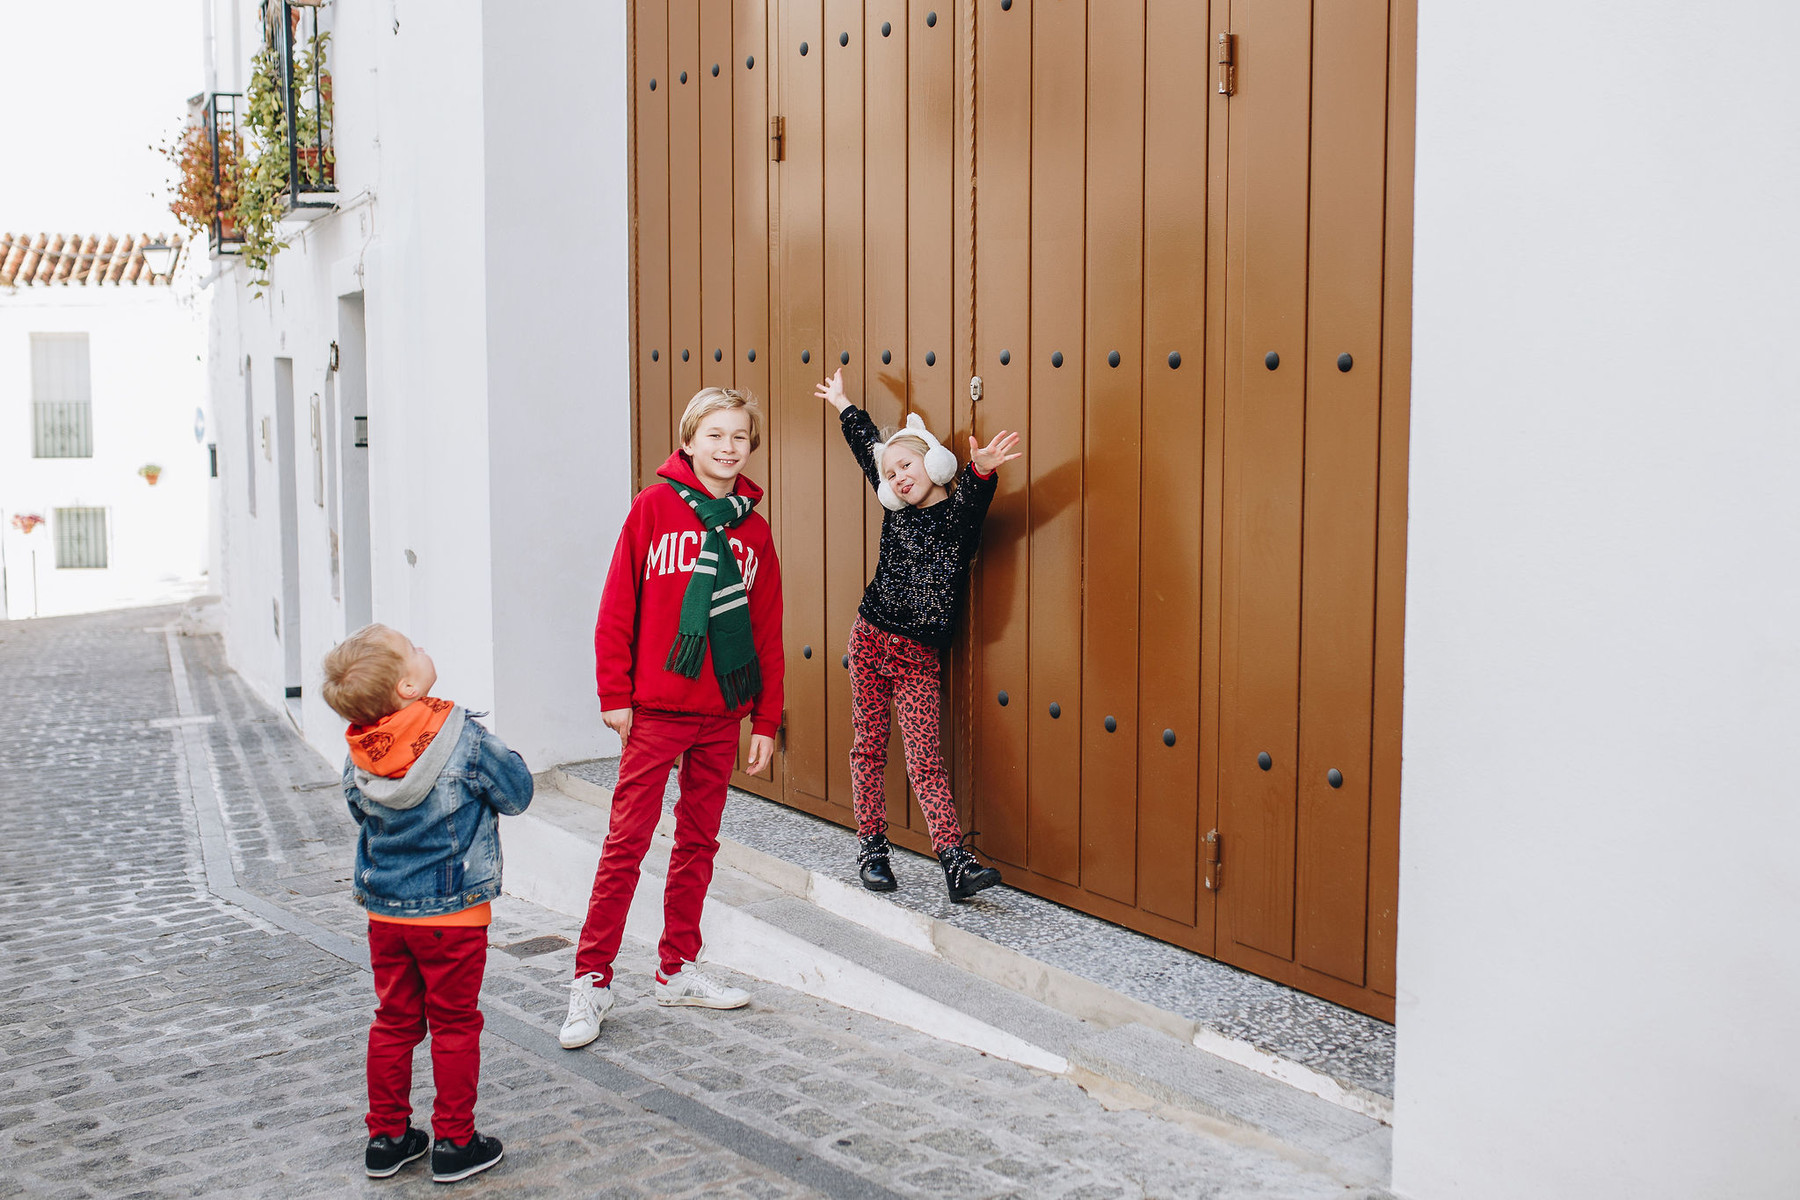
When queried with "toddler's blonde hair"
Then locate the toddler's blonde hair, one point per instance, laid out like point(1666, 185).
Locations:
point(362, 675)
point(710, 400)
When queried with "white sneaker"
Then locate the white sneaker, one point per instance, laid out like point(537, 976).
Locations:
point(688, 986)
point(588, 1005)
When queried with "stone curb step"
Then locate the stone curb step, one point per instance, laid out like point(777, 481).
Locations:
point(1051, 986)
point(775, 921)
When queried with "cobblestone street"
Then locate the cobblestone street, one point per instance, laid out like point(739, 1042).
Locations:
point(183, 1000)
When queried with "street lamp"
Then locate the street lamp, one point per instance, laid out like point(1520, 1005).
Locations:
point(160, 257)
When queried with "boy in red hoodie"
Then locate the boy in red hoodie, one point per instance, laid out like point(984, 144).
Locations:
point(688, 644)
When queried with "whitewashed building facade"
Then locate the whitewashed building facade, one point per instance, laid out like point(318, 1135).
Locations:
point(105, 474)
point(1597, 972)
point(423, 417)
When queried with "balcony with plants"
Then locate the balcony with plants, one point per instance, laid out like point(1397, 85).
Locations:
point(248, 163)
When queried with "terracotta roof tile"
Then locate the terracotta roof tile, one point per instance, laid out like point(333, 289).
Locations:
point(86, 260)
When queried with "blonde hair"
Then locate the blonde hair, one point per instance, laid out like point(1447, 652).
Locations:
point(362, 675)
point(710, 400)
point(920, 445)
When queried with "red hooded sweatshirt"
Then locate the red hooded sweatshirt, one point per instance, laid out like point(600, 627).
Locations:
point(641, 605)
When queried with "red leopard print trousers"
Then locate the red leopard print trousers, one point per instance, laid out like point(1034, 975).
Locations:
point(884, 668)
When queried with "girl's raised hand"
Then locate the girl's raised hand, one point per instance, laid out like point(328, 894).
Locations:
point(987, 460)
point(832, 391)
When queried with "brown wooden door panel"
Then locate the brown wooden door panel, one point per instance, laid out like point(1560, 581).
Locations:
point(799, 424)
point(1390, 593)
point(1003, 323)
point(747, 68)
point(684, 209)
point(1265, 419)
point(1113, 371)
point(717, 350)
point(748, 64)
point(1214, 548)
point(884, 295)
point(650, 145)
point(1176, 98)
point(845, 519)
point(933, 137)
point(1343, 427)
point(1059, 134)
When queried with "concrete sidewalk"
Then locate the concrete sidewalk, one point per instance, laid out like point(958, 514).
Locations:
point(775, 921)
point(1078, 964)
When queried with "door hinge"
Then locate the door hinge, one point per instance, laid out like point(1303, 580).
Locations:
point(1215, 867)
point(777, 138)
point(1227, 58)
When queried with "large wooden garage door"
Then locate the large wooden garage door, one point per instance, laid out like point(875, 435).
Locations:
point(1176, 702)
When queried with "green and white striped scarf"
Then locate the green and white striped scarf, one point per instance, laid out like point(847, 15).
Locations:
point(716, 607)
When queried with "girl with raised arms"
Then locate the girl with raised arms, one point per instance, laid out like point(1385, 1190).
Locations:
point(906, 619)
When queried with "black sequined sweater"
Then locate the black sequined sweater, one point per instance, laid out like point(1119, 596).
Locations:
point(925, 552)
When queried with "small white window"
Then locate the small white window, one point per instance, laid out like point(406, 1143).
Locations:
point(61, 399)
point(80, 537)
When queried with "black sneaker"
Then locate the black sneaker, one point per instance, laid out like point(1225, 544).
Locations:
point(451, 1162)
point(387, 1155)
point(963, 873)
point(872, 858)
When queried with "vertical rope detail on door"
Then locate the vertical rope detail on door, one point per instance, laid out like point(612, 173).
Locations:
point(966, 718)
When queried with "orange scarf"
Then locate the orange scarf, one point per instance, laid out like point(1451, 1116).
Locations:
point(393, 744)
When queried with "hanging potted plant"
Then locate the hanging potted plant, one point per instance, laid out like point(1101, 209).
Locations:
point(26, 522)
point(197, 200)
point(151, 473)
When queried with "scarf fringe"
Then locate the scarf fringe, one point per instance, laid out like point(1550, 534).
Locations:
point(686, 654)
point(741, 686)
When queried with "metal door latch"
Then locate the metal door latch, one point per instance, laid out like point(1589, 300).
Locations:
point(777, 138)
point(1227, 59)
point(1215, 868)
point(974, 389)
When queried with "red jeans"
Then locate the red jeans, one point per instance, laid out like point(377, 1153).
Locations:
point(425, 976)
point(707, 747)
point(887, 668)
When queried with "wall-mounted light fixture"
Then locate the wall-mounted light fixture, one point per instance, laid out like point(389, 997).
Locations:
point(160, 257)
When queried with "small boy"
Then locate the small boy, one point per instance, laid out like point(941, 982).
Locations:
point(688, 643)
point(425, 781)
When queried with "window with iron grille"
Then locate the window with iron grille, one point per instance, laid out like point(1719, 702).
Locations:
point(80, 537)
point(61, 412)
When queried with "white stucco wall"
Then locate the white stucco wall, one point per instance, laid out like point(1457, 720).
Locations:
point(559, 354)
point(481, 174)
point(147, 378)
point(1599, 970)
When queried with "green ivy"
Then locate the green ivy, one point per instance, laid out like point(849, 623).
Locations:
point(263, 178)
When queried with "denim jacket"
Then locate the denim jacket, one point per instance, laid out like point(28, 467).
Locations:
point(430, 841)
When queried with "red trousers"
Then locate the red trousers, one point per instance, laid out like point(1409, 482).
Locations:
point(425, 976)
point(707, 747)
point(886, 668)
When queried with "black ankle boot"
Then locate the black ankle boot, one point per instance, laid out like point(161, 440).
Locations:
point(963, 874)
point(877, 875)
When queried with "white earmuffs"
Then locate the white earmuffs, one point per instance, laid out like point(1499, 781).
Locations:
point(940, 462)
